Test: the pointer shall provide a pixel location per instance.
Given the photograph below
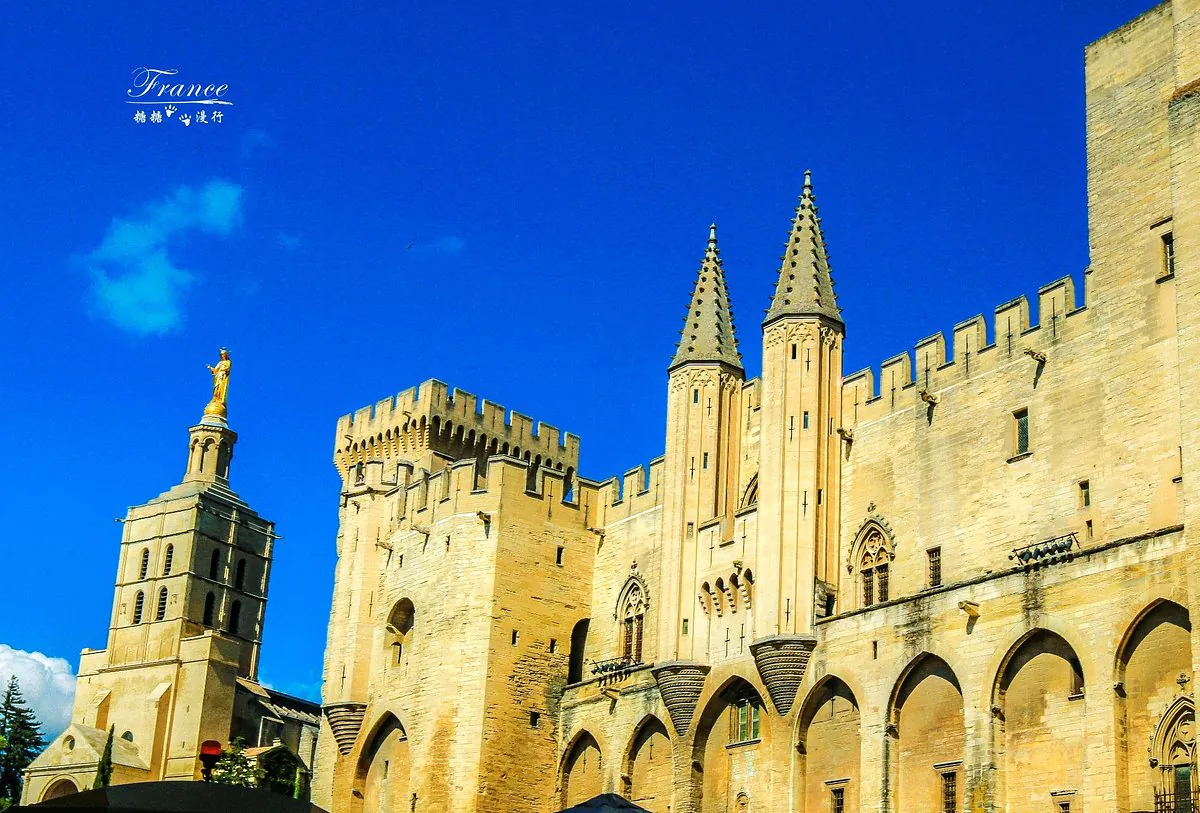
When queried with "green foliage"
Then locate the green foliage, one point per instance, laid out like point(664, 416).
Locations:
point(23, 741)
point(233, 767)
point(104, 768)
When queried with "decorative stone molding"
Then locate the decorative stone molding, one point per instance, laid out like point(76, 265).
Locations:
point(345, 719)
point(680, 683)
point(636, 581)
point(782, 661)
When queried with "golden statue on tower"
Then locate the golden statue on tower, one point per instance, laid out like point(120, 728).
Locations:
point(218, 406)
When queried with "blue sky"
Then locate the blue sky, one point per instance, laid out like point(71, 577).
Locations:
point(514, 200)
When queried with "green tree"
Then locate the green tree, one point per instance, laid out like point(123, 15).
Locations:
point(233, 767)
point(104, 768)
point(23, 740)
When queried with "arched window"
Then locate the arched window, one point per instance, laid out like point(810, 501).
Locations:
point(399, 629)
point(235, 617)
point(210, 609)
point(139, 602)
point(633, 616)
point(214, 565)
point(162, 605)
point(167, 557)
point(145, 563)
point(239, 578)
point(875, 570)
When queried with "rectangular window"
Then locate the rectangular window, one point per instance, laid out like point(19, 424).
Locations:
point(1064, 807)
point(558, 556)
point(516, 636)
point(875, 650)
point(695, 396)
point(837, 800)
point(804, 424)
point(881, 576)
point(820, 495)
point(935, 567)
point(868, 581)
point(691, 530)
point(685, 626)
point(743, 722)
point(535, 719)
point(705, 462)
point(1085, 494)
point(1021, 425)
point(950, 792)
point(1088, 528)
point(793, 351)
point(1168, 242)
point(553, 645)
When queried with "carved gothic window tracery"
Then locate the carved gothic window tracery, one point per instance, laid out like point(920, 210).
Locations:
point(875, 570)
point(633, 615)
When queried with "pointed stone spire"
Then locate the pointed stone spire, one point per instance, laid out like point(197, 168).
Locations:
point(805, 284)
point(708, 333)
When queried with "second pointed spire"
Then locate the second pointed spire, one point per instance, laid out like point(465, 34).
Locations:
point(805, 283)
point(708, 333)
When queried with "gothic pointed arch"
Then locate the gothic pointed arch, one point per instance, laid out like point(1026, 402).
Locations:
point(870, 561)
point(732, 733)
point(828, 744)
point(581, 776)
point(630, 614)
point(750, 495)
point(647, 766)
point(926, 736)
point(382, 773)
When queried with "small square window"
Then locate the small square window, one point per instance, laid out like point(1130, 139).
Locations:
point(1085, 494)
point(1168, 250)
point(1064, 807)
point(935, 567)
point(535, 719)
point(1021, 426)
point(558, 556)
point(516, 636)
point(553, 645)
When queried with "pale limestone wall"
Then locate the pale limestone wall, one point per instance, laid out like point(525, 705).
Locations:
point(1013, 688)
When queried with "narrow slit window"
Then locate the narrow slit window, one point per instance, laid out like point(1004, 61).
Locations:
point(1085, 494)
point(793, 351)
point(705, 462)
point(1021, 426)
point(935, 567)
point(695, 396)
point(145, 563)
point(139, 602)
point(804, 425)
point(1168, 250)
point(516, 636)
point(167, 560)
point(558, 556)
point(161, 613)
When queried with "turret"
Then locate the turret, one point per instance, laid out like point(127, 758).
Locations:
point(702, 447)
point(799, 475)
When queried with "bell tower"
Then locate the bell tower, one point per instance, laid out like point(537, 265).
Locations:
point(800, 469)
point(702, 449)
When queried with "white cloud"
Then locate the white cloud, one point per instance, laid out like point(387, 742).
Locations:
point(48, 685)
point(135, 283)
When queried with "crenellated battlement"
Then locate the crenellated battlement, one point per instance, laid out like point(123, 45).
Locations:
point(637, 490)
point(451, 423)
point(915, 376)
point(417, 495)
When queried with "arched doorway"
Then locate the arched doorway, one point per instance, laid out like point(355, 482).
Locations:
point(382, 780)
point(928, 736)
point(828, 732)
point(583, 768)
point(1155, 652)
point(1039, 719)
point(649, 768)
point(732, 751)
point(59, 788)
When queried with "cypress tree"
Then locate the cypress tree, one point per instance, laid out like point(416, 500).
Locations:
point(104, 768)
point(22, 734)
